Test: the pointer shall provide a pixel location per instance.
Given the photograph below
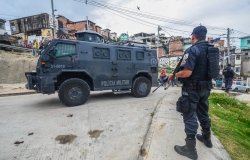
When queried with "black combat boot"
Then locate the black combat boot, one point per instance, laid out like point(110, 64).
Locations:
point(205, 137)
point(188, 150)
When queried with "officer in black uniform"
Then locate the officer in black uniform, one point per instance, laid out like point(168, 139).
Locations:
point(228, 73)
point(195, 92)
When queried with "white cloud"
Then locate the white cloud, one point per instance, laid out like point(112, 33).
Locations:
point(224, 13)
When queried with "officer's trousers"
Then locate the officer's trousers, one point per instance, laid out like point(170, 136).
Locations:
point(228, 83)
point(198, 108)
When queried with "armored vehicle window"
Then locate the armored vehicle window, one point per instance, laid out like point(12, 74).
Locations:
point(101, 53)
point(90, 37)
point(140, 55)
point(63, 49)
point(123, 54)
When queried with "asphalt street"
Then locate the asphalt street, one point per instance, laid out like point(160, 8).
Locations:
point(107, 127)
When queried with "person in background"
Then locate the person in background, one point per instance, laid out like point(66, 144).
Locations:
point(35, 47)
point(163, 76)
point(35, 44)
point(173, 81)
point(229, 75)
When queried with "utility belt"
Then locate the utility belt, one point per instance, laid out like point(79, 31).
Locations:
point(197, 85)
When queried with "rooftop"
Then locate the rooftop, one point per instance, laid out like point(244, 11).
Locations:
point(30, 16)
point(2, 20)
point(245, 37)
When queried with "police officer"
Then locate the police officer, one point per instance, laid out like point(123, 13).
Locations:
point(229, 75)
point(195, 92)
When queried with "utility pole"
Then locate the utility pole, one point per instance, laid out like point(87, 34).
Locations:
point(158, 40)
point(53, 19)
point(87, 23)
point(228, 45)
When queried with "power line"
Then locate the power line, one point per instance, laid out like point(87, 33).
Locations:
point(132, 19)
point(152, 16)
point(129, 14)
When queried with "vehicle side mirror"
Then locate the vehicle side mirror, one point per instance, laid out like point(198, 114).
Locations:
point(52, 52)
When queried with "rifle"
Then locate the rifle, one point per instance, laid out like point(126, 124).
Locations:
point(175, 71)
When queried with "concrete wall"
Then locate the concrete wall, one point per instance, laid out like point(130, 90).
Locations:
point(245, 68)
point(14, 65)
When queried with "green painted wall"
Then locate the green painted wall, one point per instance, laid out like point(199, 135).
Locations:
point(245, 43)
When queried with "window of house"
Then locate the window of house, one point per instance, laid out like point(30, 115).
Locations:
point(101, 53)
point(248, 41)
point(238, 57)
point(123, 54)
point(237, 69)
point(63, 49)
point(139, 55)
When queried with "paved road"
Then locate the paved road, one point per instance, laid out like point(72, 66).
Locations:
point(118, 124)
point(107, 127)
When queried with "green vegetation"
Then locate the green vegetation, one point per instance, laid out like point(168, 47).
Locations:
point(231, 124)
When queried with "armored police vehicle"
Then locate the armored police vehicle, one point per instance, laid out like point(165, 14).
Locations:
point(74, 68)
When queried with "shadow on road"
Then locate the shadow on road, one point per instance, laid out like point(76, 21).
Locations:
point(54, 102)
point(48, 103)
point(107, 96)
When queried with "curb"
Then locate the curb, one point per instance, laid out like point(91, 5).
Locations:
point(144, 150)
point(16, 94)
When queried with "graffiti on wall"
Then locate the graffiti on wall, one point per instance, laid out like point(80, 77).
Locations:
point(169, 61)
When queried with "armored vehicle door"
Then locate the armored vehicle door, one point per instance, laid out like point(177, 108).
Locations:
point(65, 54)
point(95, 59)
point(122, 67)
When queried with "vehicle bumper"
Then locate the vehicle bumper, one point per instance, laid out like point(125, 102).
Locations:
point(40, 84)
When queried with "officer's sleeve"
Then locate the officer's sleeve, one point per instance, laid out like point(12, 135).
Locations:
point(191, 59)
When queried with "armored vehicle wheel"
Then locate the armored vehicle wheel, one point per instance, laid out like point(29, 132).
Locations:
point(74, 92)
point(141, 87)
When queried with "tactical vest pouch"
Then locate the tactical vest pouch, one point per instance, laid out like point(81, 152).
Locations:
point(213, 58)
point(182, 105)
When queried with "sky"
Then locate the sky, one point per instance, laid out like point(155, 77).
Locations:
point(233, 14)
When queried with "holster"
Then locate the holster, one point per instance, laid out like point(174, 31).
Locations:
point(182, 105)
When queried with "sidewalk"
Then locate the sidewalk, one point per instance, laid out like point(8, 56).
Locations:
point(167, 130)
point(244, 97)
point(14, 89)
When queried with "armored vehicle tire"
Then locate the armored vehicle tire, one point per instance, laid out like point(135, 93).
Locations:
point(74, 92)
point(141, 87)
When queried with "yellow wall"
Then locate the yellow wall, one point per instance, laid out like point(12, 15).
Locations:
point(47, 33)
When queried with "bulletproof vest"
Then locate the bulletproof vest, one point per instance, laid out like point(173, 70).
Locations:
point(200, 72)
point(228, 72)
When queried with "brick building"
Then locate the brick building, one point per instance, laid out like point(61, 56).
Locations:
point(106, 34)
point(68, 28)
point(176, 46)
